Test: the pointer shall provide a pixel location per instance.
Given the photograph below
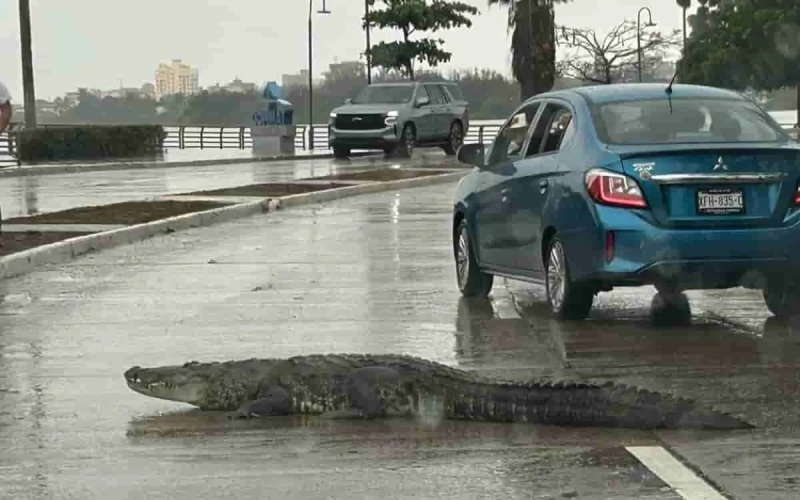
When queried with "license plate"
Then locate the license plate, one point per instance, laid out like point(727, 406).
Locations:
point(720, 201)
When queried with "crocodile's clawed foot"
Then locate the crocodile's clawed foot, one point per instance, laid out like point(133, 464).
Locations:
point(239, 415)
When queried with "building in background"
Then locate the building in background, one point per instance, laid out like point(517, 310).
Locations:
point(176, 78)
point(148, 90)
point(236, 86)
point(296, 80)
point(346, 68)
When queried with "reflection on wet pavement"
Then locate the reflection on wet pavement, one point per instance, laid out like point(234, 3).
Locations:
point(367, 274)
point(733, 356)
point(29, 195)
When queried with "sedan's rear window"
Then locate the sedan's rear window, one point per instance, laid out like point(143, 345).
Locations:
point(692, 120)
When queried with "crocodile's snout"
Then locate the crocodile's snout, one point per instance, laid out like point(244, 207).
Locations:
point(132, 374)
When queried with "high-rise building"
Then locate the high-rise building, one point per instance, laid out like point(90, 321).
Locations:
point(176, 78)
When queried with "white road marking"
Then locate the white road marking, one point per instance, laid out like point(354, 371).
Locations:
point(681, 479)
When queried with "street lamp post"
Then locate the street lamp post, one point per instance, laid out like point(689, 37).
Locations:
point(684, 31)
point(366, 29)
point(29, 95)
point(639, 38)
point(311, 68)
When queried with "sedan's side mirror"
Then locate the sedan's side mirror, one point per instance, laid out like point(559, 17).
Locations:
point(422, 101)
point(471, 154)
point(348, 101)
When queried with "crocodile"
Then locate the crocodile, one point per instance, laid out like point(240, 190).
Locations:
point(376, 386)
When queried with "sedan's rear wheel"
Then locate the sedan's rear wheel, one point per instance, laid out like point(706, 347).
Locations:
point(568, 299)
point(782, 298)
point(670, 307)
point(471, 280)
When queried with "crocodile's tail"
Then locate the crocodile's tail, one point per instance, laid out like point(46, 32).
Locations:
point(572, 404)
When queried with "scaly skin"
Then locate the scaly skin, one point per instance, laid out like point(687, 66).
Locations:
point(395, 385)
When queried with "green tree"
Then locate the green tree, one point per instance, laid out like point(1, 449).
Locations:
point(533, 43)
point(409, 17)
point(742, 45)
point(129, 110)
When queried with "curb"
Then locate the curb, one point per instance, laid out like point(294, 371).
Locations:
point(28, 170)
point(374, 187)
point(63, 251)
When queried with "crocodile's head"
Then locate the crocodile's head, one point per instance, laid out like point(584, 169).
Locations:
point(209, 386)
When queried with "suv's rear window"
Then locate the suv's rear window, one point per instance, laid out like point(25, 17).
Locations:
point(455, 91)
point(692, 120)
point(385, 94)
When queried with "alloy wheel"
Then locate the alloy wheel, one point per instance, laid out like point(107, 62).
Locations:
point(456, 137)
point(556, 275)
point(462, 259)
point(409, 141)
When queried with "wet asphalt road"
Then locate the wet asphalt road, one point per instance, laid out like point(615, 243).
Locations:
point(28, 195)
point(367, 274)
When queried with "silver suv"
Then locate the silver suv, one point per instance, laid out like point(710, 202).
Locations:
point(398, 116)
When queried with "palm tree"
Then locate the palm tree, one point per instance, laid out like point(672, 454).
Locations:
point(533, 43)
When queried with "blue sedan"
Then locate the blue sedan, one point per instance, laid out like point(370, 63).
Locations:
point(677, 186)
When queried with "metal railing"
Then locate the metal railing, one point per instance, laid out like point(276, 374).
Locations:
point(214, 137)
point(239, 137)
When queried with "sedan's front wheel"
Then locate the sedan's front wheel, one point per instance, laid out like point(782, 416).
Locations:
point(471, 280)
point(568, 300)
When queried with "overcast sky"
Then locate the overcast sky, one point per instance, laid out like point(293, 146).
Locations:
point(105, 43)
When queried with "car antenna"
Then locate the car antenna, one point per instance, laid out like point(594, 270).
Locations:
point(668, 90)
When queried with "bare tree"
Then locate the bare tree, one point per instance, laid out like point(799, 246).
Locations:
point(614, 57)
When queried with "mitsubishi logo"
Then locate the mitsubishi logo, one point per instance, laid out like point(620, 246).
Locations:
point(720, 165)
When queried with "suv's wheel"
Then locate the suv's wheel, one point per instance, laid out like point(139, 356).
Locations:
point(568, 299)
point(341, 152)
point(471, 280)
point(454, 140)
point(408, 138)
point(782, 298)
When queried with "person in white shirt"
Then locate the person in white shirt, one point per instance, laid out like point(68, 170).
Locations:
point(5, 108)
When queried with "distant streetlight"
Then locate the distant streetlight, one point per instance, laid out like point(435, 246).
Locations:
point(29, 96)
point(684, 5)
point(311, 68)
point(684, 31)
point(639, 37)
point(366, 29)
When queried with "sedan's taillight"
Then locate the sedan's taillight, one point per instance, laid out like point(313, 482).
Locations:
point(610, 188)
point(797, 195)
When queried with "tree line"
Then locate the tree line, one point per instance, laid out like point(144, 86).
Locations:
point(739, 45)
point(490, 95)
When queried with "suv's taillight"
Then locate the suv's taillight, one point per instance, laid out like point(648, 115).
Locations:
point(610, 188)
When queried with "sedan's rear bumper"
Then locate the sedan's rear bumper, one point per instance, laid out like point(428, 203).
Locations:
point(694, 258)
point(702, 274)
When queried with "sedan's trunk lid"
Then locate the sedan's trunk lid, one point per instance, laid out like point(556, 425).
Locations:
point(707, 185)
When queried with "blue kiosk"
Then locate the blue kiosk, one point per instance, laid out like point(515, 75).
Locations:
point(272, 130)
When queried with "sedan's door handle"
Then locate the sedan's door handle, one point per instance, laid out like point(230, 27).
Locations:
point(543, 185)
point(505, 191)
